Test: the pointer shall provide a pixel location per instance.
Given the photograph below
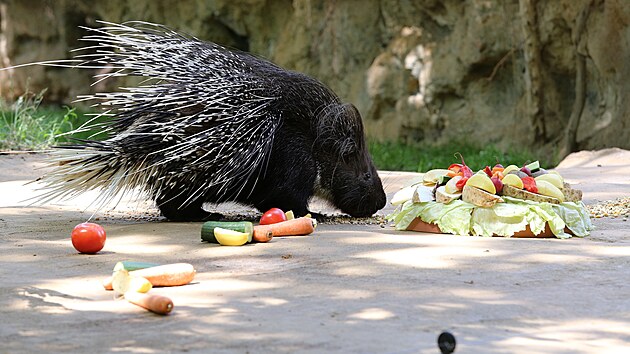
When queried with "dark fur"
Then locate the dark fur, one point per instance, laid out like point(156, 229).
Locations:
point(317, 143)
point(317, 133)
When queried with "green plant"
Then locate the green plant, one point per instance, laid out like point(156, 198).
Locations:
point(26, 125)
point(397, 156)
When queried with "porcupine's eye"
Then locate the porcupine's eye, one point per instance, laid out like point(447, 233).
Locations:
point(349, 151)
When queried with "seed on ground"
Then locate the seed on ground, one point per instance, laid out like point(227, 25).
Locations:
point(614, 208)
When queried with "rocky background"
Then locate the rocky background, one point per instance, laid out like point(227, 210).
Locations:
point(551, 76)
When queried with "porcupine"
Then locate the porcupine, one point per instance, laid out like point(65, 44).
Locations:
point(210, 124)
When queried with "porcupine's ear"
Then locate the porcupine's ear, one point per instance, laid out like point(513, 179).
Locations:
point(340, 130)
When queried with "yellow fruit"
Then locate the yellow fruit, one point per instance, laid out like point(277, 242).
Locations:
point(122, 282)
point(552, 178)
point(402, 195)
point(431, 177)
point(482, 181)
point(451, 185)
point(513, 180)
point(139, 285)
point(548, 189)
point(509, 169)
point(230, 237)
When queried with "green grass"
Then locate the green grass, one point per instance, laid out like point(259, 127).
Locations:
point(26, 125)
point(395, 156)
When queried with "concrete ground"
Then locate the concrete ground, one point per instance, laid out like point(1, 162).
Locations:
point(346, 289)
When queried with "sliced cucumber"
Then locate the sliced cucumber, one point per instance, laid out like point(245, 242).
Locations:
point(443, 179)
point(207, 229)
point(131, 265)
point(534, 166)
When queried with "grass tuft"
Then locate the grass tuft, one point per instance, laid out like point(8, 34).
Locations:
point(396, 156)
point(27, 126)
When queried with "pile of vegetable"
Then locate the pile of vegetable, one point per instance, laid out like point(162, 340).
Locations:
point(273, 223)
point(494, 201)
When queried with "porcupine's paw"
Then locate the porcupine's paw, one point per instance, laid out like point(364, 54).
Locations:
point(193, 212)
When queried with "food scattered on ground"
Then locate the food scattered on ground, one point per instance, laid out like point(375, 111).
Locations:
point(227, 237)
point(296, 227)
point(159, 304)
point(122, 282)
point(208, 229)
point(272, 216)
point(133, 265)
point(174, 274)
point(619, 207)
point(238, 233)
point(134, 289)
point(495, 201)
point(88, 237)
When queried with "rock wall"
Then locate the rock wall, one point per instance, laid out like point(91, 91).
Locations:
point(432, 70)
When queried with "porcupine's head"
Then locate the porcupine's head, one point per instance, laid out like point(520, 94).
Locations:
point(347, 176)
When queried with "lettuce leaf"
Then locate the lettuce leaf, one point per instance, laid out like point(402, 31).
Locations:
point(503, 219)
point(576, 217)
point(451, 218)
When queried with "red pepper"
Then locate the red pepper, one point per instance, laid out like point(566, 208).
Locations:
point(462, 170)
point(488, 171)
point(467, 171)
point(529, 184)
point(461, 183)
point(456, 167)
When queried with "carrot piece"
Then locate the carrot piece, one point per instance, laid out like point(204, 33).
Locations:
point(154, 303)
point(107, 283)
point(262, 236)
point(167, 275)
point(174, 274)
point(295, 227)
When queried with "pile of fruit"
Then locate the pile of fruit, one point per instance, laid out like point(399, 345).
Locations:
point(494, 201)
point(486, 187)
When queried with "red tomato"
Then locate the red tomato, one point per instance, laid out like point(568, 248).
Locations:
point(88, 237)
point(272, 216)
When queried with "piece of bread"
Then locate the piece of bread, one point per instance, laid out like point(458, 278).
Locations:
point(526, 195)
point(570, 194)
point(442, 197)
point(480, 197)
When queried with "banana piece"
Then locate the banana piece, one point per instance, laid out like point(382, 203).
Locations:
point(230, 237)
point(482, 181)
point(509, 169)
point(548, 189)
point(451, 185)
point(403, 195)
point(552, 178)
point(122, 282)
point(431, 177)
point(513, 180)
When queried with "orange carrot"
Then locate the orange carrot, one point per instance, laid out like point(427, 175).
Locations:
point(154, 303)
point(295, 227)
point(107, 283)
point(165, 275)
point(262, 236)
